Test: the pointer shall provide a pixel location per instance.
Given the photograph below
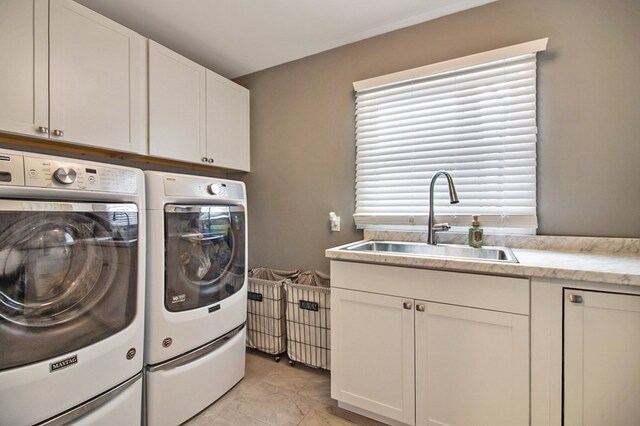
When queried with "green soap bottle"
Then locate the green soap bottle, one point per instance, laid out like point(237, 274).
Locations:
point(475, 232)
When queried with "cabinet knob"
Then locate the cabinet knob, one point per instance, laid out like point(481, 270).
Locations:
point(211, 160)
point(205, 159)
point(43, 129)
point(420, 308)
point(406, 305)
point(574, 298)
point(58, 133)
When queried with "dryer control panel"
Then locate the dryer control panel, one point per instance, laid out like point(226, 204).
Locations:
point(219, 189)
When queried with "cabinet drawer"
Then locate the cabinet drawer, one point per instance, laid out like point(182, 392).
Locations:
point(505, 294)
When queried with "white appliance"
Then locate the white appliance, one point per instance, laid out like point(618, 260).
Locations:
point(71, 291)
point(196, 293)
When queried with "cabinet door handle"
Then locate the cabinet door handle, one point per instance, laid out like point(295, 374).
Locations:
point(58, 133)
point(204, 159)
point(43, 129)
point(211, 160)
point(406, 305)
point(575, 298)
point(420, 308)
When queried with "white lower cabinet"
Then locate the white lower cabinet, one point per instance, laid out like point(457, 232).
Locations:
point(414, 356)
point(601, 352)
point(585, 341)
point(373, 353)
point(472, 366)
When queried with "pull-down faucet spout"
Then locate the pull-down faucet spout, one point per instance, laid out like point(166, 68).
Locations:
point(453, 197)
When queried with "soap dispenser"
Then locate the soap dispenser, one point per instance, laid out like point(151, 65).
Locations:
point(475, 232)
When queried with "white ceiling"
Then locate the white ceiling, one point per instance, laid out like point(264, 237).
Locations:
point(238, 37)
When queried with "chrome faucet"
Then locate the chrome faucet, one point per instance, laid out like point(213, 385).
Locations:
point(453, 197)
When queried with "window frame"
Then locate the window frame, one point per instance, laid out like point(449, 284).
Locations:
point(520, 223)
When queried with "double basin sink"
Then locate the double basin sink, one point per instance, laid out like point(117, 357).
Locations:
point(444, 251)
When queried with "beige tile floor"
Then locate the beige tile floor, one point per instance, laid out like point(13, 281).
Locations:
point(278, 394)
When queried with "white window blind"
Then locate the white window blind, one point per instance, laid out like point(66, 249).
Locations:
point(474, 117)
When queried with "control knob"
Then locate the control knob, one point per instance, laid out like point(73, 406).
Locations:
point(65, 175)
point(214, 189)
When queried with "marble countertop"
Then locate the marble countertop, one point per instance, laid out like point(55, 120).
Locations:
point(595, 265)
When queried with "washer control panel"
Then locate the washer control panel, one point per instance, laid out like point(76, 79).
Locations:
point(11, 169)
point(48, 173)
point(65, 175)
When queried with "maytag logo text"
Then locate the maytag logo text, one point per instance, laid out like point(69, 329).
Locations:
point(54, 366)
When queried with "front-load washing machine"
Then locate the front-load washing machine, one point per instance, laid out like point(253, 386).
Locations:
point(196, 293)
point(71, 291)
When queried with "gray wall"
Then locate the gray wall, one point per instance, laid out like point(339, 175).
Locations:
point(302, 130)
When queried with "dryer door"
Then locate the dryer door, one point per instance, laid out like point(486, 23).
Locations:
point(205, 255)
point(67, 276)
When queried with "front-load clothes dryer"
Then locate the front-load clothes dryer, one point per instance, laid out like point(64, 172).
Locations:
point(71, 291)
point(196, 293)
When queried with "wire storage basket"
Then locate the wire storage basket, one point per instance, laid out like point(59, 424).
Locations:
point(308, 320)
point(266, 310)
point(313, 278)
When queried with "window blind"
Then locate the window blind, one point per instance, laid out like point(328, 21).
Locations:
point(478, 122)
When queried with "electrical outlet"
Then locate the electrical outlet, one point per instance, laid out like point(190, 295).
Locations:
point(335, 224)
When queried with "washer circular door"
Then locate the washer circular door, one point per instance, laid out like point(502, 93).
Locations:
point(68, 276)
point(52, 269)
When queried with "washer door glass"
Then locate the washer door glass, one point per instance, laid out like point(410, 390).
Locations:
point(67, 278)
point(205, 254)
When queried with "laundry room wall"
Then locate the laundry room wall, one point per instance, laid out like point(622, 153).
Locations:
point(302, 128)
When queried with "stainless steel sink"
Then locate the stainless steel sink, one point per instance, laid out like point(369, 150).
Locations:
point(450, 251)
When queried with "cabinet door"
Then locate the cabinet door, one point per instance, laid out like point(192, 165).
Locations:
point(372, 353)
point(177, 93)
point(472, 366)
point(227, 123)
point(24, 84)
point(97, 80)
point(601, 352)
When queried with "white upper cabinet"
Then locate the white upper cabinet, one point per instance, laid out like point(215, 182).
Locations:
point(24, 85)
point(98, 80)
point(227, 123)
point(196, 115)
point(73, 75)
point(177, 106)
